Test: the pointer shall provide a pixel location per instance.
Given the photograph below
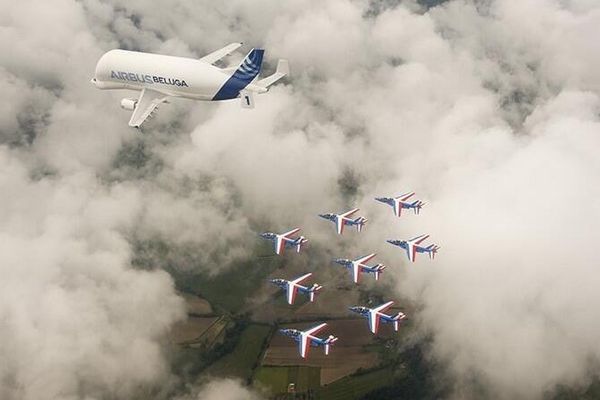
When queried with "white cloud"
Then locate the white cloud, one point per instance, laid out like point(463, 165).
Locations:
point(229, 389)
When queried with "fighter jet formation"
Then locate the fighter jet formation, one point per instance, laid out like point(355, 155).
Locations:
point(376, 315)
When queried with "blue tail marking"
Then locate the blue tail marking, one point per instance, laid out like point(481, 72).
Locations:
point(246, 72)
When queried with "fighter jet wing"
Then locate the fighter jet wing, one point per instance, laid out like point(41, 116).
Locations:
point(383, 307)
point(374, 322)
point(303, 277)
point(349, 213)
point(279, 244)
point(291, 293)
point(292, 287)
point(356, 268)
point(315, 329)
point(307, 337)
point(339, 225)
point(418, 239)
point(218, 54)
point(411, 251)
point(303, 345)
point(146, 104)
point(290, 233)
point(361, 261)
point(405, 196)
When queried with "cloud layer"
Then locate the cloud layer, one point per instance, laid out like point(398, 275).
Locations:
point(488, 110)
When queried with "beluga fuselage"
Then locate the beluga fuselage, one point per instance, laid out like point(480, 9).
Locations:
point(160, 77)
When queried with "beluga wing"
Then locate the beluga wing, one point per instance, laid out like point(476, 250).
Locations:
point(216, 55)
point(146, 104)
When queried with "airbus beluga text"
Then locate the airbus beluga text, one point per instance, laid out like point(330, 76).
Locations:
point(159, 77)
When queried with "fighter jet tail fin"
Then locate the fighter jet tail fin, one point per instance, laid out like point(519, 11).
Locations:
point(313, 291)
point(432, 250)
point(417, 205)
point(397, 318)
point(360, 223)
point(329, 342)
point(301, 241)
point(377, 270)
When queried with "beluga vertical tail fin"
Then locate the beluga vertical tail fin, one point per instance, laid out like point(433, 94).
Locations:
point(245, 73)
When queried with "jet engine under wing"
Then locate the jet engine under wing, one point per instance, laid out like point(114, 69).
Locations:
point(146, 104)
point(218, 54)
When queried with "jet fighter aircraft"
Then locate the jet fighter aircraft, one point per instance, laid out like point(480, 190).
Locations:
point(413, 247)
point(400, 202)
point(375, 315)
point(306, 339)
point(343, 219)
point(292, 287)
point(357, 266)
point(282, 240)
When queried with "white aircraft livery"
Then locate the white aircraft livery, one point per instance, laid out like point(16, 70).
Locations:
point(159, 77)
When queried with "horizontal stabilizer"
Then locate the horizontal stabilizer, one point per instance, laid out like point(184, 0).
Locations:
point(283, 69)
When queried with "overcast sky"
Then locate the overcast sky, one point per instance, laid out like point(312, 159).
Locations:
point(488, 110)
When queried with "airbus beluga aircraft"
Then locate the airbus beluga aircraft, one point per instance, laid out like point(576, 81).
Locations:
point(159, 77)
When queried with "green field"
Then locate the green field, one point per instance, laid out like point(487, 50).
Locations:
point(276, 379)
point(354, 387)
point(212, 335)
point(226, 291)
point(244, 358)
